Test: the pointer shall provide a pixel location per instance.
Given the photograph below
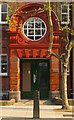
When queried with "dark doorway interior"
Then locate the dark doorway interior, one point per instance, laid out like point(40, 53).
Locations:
point(34, 76)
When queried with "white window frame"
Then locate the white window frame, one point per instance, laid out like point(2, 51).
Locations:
point(3, 22)
point(34, 29)
point(68, 69)
point(65, 14)
point(3, 74)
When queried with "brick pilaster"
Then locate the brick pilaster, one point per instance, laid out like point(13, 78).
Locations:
point(54, 74)
point(14, 74)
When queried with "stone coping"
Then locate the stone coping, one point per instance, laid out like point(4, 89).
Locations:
point(59, 101)
point(7, 102)
point(53, 101)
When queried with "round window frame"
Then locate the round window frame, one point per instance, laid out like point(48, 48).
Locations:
point(42, 35)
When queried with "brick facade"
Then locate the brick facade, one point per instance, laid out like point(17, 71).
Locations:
point(16, 47)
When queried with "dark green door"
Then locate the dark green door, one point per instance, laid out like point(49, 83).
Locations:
point(43, 74)
point(39, 74)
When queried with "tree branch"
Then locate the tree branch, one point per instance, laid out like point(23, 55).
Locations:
point(50, 26)
point(67, 54)
point(69, 46)
point(67, 41)
point(55, 54)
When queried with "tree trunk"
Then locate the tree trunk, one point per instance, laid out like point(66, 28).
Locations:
point(65, 59)
point(65, 104)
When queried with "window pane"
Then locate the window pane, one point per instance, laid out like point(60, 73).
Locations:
point(30, 32)
point(64, 18)
point(31, 20)
point(25, 32)
point(37, 20)
point(3, 59)
point(25, 25)
point(37, 37)
point(43, 31)
point(43, 26)
point(37, 32)
point(3, 18)
point(64, 9)
point(37, 25)
point(4, 8)
point(30, 25)
point(43, 74)
point(31, 37)
point(43, 64)
point(4, 69)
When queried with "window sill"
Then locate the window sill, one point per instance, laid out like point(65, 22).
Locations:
point(3, 23)
point(4, 76)
point(63, 23)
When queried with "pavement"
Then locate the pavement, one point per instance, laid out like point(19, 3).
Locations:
point(23, 110)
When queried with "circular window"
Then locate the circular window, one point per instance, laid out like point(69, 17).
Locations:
point(34, 28)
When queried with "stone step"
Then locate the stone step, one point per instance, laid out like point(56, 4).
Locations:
point(7, 102)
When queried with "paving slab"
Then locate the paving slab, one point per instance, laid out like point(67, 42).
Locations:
point(24, 111)
point(36, 119)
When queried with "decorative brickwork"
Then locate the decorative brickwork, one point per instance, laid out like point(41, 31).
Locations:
point(14, 74)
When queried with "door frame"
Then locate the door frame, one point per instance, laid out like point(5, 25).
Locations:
point(30, 94)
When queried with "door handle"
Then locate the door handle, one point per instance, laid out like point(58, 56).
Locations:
point(34, 78)
point(28, 71)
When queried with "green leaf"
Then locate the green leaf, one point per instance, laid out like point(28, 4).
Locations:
point(35, 10)
point(11, 24)
point(71, 43)
point(56, 19)
point(2, 3)
point(13, 17)
point(10, 11)
point(9, 6)
point(26, 12)
point(40, 9)
point(20, 25)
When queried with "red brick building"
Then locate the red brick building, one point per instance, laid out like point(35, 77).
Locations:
point(25, 63)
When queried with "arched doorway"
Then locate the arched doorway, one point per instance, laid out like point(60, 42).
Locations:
point(29, 41)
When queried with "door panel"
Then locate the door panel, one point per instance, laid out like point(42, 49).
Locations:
point(26, 76)
point(40, 77)
point(43, 79)
point(43, 76)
